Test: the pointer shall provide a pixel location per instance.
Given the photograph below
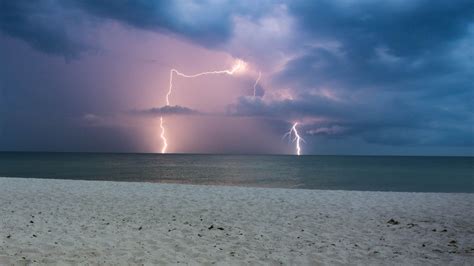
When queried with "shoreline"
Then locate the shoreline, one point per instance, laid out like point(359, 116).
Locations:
point(115, 222)
point(250, 186)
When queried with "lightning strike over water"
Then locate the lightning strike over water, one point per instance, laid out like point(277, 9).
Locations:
point(256, 83)
point(238, 66)
point(297, 138)
point(162, 135)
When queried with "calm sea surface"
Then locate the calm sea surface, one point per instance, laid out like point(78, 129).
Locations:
point(374, 173)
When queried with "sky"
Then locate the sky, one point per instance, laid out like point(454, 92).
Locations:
point(359, 77)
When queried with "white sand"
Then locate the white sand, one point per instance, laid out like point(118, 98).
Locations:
point(58, 221)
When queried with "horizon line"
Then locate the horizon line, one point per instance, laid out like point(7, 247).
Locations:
point(238, 154)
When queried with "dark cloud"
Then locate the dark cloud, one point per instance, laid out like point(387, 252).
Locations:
point(402, 69)
point(43, 24)
point(320, 67)
point(406, 28)
point(165, 111)
point(203, 22)
point(398, 45)
point(51, 26)
point(381, 119)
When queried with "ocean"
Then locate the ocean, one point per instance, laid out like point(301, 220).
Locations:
point(366, 173)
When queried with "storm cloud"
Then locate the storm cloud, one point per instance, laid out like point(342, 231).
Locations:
point(393, 77)
point(52, 26)
point(45, 25)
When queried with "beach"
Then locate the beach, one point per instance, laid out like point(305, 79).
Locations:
point(46, 221)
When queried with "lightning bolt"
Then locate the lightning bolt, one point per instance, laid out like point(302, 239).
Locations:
point(163, 137)
point(238, 66)
point(297, 138)
point(256, 83)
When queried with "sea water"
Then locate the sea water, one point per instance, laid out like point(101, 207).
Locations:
point(371, 173)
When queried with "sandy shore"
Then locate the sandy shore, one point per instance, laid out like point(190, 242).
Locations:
point(58, 221)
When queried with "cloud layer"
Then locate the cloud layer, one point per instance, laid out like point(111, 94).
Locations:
point(165, 111)
point(360, 76)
